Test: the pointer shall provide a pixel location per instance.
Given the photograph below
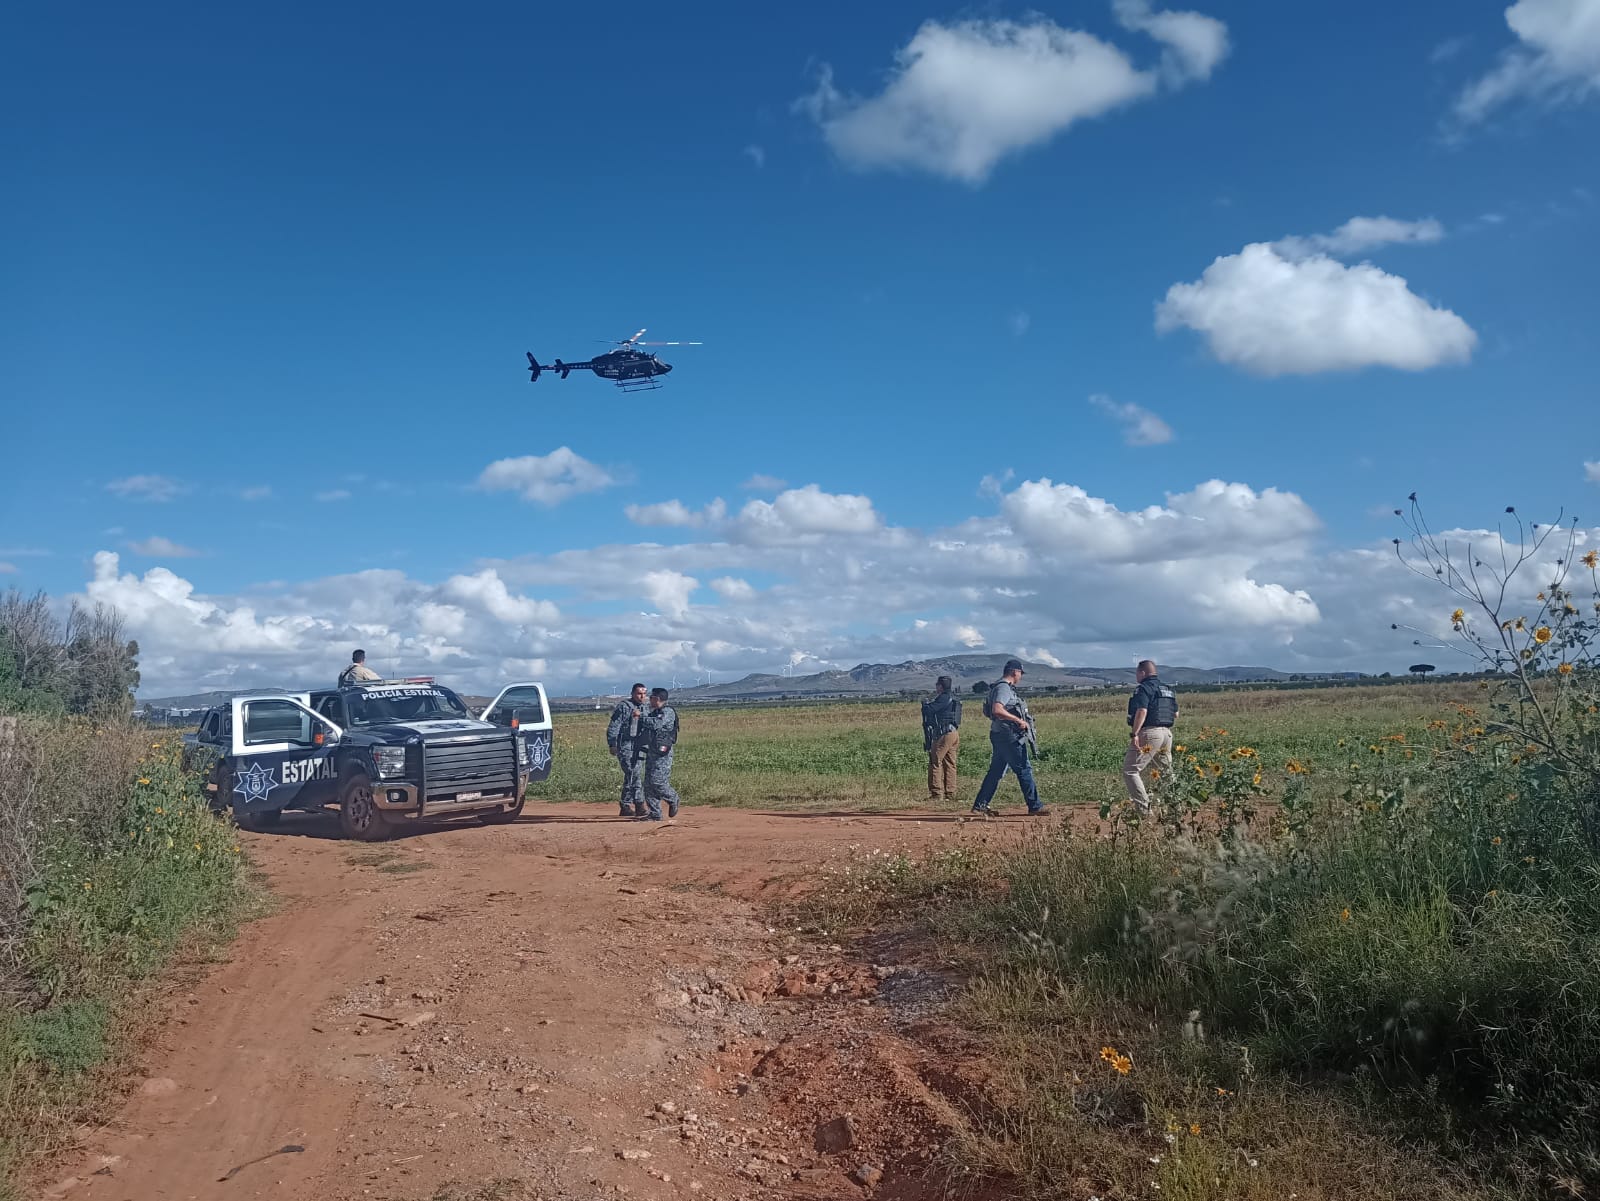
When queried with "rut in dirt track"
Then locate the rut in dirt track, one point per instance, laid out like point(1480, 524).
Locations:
point(570, 1007)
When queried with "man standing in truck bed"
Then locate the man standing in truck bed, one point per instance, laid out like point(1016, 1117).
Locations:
point(358, 672)
point(622, 738)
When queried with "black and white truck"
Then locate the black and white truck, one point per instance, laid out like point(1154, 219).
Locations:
point(387, 753)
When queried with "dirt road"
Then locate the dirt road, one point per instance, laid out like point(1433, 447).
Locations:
point(570, 1007)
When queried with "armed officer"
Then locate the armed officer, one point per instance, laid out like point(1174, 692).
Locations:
point(941, 738)
point(622, 738)
point(1010, 732)
point(658, 734)
point(1152, 710)
point(358, 672)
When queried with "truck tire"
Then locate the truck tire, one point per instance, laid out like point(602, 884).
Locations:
point(503, 817)
point(359, 816)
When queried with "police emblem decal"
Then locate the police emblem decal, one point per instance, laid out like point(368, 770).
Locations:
point(538, 753)
point(254, 783)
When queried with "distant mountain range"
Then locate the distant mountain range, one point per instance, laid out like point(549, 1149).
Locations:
point(914, 675)
point(918, 675)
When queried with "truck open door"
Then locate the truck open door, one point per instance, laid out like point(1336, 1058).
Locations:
point(282, 755)
point(530, 708)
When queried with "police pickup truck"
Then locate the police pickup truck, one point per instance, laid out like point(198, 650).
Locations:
point(386, 753)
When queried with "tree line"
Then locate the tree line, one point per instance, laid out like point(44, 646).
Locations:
point(80, 663)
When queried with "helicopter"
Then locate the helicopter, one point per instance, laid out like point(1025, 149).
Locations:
point(630, 368)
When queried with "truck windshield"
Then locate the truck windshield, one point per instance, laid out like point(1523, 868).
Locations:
point(380, 706)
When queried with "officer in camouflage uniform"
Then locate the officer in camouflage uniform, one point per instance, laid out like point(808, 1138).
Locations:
point(658, 735)
point(622, 739)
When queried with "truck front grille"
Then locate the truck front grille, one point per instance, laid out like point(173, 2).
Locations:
point(486, 765)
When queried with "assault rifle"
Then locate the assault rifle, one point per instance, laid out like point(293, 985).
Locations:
point(1030, 738)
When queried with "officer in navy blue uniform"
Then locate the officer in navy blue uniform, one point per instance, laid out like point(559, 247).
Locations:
point(1010, 732)
point(1152, 710)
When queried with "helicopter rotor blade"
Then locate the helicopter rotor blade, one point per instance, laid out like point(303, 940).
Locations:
point(634, 339)
point(669, 344)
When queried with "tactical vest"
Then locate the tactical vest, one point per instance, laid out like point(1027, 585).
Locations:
point(1165, 711)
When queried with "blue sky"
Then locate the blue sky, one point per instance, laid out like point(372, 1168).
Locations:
point(261, 259)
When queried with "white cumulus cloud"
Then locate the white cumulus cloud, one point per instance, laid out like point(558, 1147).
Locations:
point(1214, 519)
point(669, 591)
point(546, 479)
point(157, 547)
point(1556, 59)
point(1275, 314)
point(764, 483)
point(732, 588)
point(1140, 427)
point(963, 96)
point(488, 590)
point(805, 514)
point(1591, 471)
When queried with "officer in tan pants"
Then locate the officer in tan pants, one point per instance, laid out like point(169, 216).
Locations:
point(1152, 710)
point(941, 738)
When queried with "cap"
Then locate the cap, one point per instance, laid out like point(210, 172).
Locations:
point(1013, 665)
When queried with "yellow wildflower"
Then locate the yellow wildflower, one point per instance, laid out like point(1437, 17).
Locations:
point(1539, 597)
point(1542, 635)
point(1565, 669)
point(1123, 1064)
point(1256, 780)
point(1458, 617)
point(1108, 1053)
point(1590, 559)
point(1194, 1127)
point(1495, 841)
point(144, 779)
point(1222, 1092)
point(1345, 916)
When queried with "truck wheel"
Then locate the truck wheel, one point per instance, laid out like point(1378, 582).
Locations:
point(503, 817)
point(359, 816)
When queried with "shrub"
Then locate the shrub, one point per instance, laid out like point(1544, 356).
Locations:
point(109, 860)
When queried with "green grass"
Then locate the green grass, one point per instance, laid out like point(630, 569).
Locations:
point(1386, 992)
point(869, 756)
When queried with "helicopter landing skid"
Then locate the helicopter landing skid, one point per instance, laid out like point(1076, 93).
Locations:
point(638, 385)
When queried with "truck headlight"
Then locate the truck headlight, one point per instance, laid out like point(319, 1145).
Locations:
point(391, 761)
